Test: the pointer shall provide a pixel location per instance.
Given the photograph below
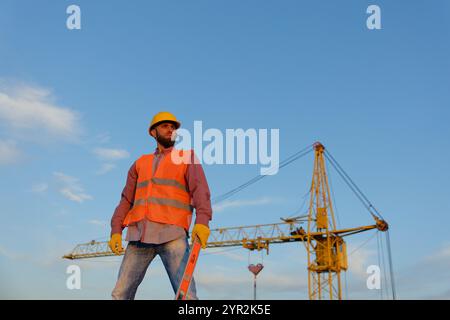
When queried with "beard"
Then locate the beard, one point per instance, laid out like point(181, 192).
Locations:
point(165, 142)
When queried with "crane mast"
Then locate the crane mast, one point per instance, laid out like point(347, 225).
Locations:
point(326, 250)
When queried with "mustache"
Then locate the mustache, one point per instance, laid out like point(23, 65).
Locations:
point(166, 142)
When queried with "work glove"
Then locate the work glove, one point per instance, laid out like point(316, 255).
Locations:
point(115, 243)
point(202, 232)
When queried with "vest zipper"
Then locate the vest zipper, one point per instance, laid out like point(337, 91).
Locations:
point(154, 169)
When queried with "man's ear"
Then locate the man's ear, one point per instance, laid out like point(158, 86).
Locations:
point(153, 132)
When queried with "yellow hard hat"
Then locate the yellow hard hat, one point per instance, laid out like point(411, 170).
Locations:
point(164, 116)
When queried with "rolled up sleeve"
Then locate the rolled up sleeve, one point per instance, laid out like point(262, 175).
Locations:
point(126, 201)
point(199, 191)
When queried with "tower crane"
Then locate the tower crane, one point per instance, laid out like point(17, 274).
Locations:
point(324, 243)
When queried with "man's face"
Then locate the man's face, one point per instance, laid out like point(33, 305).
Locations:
point(163, 134)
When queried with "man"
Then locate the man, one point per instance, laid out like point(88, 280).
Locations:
point(156, 206)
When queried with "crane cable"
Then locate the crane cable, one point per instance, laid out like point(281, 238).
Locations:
point(379, 263)
point(391, 269)
point(368, 205)
point(287, 161)
point(352, 185)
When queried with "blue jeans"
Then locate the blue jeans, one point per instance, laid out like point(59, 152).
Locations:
point(138, 256)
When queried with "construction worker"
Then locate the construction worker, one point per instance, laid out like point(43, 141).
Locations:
point(156, 206)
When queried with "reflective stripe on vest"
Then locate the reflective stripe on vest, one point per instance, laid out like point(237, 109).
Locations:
point(163, 201)
point(161, 181)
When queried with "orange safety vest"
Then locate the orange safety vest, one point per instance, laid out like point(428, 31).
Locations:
point(162, 196)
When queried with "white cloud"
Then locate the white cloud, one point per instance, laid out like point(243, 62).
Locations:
point(103, 137)
point(243, 203)
point(10, 255)
point(108, 154)
point(71, 188)
point(39, 188)
point(65, 178)
point(9, 153)
point(225, 253)
point(359, 260)
point(283, 282)
point(221, 280)
point(100, 223)
point(105, 168)
point(443, 254)
point(111, 154)
point(44, 250)
point(427, 278)
point(74, 195)
point(28, 109)
point(267, 283)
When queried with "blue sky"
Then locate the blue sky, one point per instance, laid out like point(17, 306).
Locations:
point(75, 106)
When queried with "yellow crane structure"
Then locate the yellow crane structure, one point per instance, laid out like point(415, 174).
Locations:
point(324, 243)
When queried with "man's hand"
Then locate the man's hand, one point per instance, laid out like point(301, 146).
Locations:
point(202, 232)
point(115, 243)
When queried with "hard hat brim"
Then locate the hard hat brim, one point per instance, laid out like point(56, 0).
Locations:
point(176, 123)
